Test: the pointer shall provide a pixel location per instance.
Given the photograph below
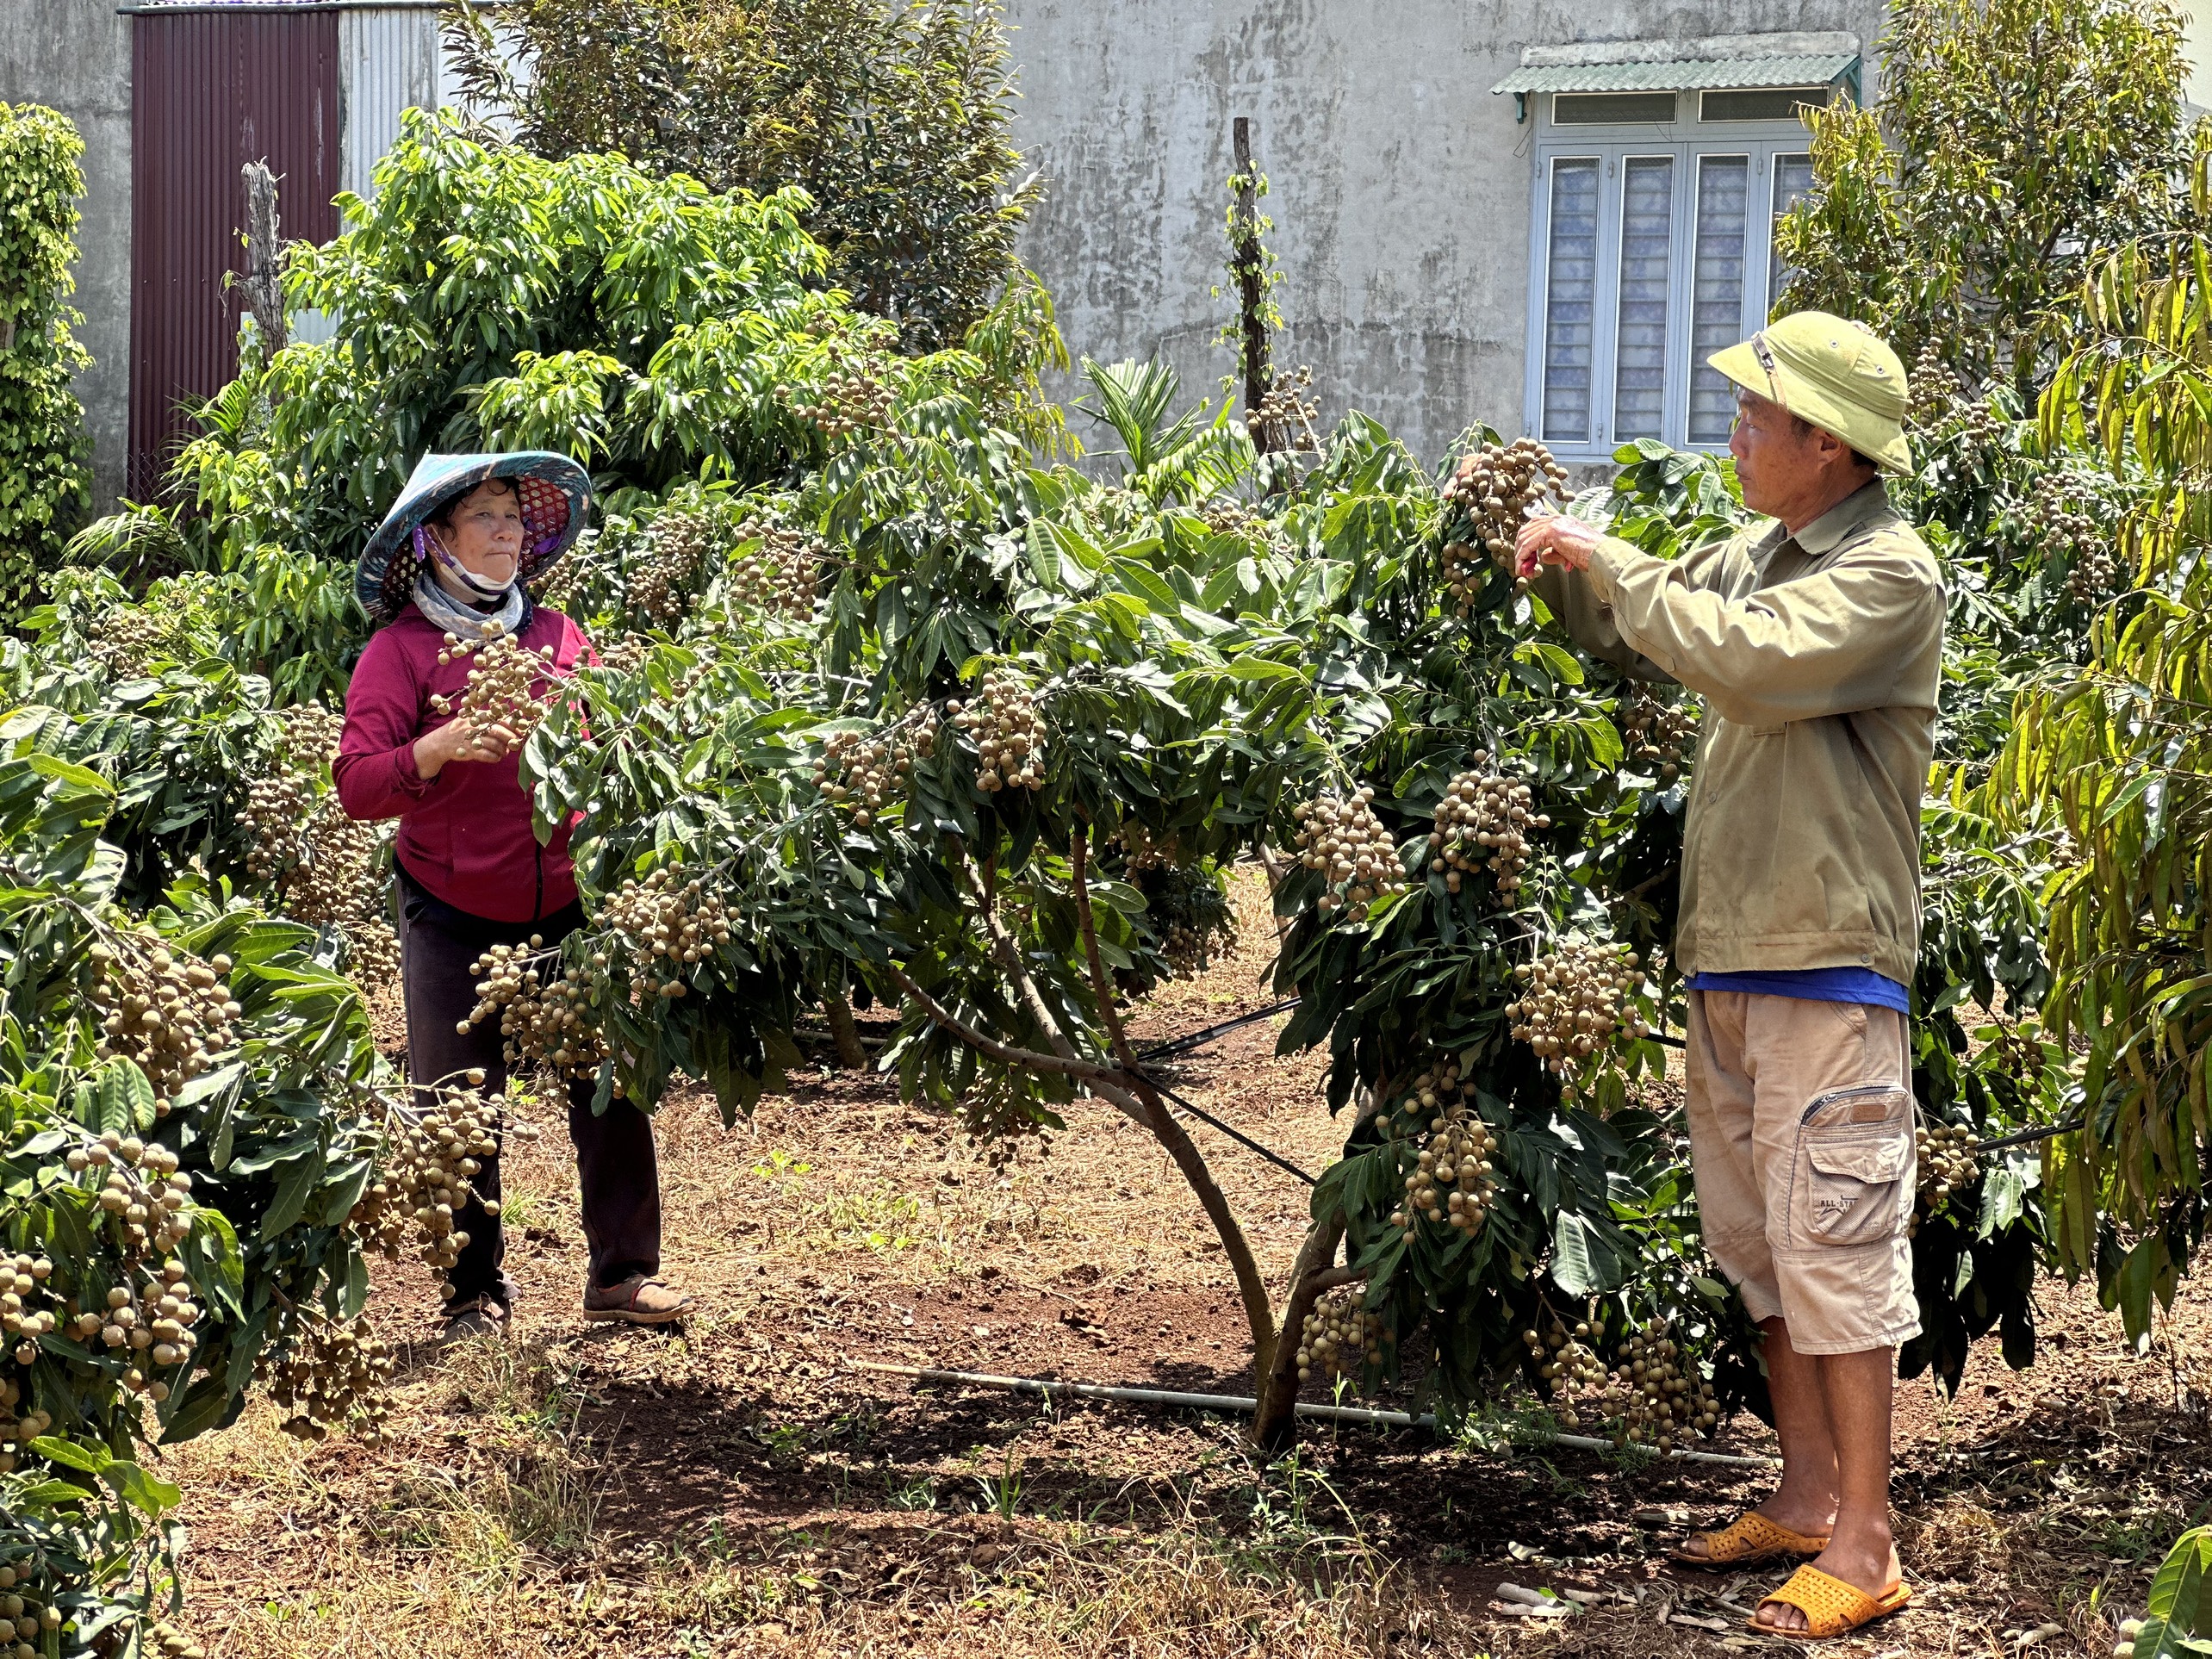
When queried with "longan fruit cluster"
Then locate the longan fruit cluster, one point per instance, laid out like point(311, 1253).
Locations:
point(1498, 493)
point(676, 545)
point(506, 685)
point(1934, 387)
point(26, 1618)
point(1340, 1336)
point(166, 1011)
point(1659, 734)
point(152, 1327)
point(126, 642)
point(1570, 1367)
point(1008, 731)
point(325, 1371)
point(1287, 414)
point(1483, 824)
point(22, 1280)
point(311, 734)
point(780, 575)
point(278, 805)
point(2055, 514)
point(853, 398)
point(142, 1188)
point(1574, 1001)
point(17, 1429)
point(1185, 948)
point(866, 770)
point(543, 1008)
point(667, 925)
point(625, 655)
point(1145, 852)
point(174, 1644)
point(1341, 837)
point(1654, 1395)
point(1948, 1162)
point(422, 1180)
point(333, 885)
point(2016, 1053)
point(1450, 1182)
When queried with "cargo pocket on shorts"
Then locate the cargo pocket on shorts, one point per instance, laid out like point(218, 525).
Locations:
point(1854, 1159)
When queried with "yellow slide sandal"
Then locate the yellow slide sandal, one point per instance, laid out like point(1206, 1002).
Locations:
point(1750, 1538)
point(1831, 1607)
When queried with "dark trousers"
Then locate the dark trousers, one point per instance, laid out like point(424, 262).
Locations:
point(619, 1175)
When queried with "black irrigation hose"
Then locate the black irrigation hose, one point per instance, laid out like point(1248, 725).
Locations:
point(1200, 1039)
point(2049, 1132)
point(1237, 1135)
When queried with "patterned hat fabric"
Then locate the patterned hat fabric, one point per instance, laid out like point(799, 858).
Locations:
point(556, 494)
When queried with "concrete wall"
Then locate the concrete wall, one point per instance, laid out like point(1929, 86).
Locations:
point(75, 56)
point(1400, 185)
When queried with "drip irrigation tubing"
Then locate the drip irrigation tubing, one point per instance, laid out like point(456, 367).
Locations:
point(1171, 1399)
point(1237, 1135)
point(2047, 1133)
point(1201, 1038)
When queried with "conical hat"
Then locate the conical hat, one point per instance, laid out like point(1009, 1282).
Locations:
point(555, 495)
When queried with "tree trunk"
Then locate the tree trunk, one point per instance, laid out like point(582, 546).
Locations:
point(1276, 1419)
point(265, 290)
point(839, 1013)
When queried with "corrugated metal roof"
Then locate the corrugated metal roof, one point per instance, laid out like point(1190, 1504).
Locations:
point(1681, 75)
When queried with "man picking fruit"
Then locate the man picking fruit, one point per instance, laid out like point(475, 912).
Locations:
point(1817, 643)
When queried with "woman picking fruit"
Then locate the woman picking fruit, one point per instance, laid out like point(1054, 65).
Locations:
point(444, 575)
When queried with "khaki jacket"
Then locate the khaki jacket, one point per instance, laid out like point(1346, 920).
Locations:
point(1819, 657)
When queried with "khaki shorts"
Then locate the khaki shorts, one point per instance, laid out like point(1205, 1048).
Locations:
point(1801, 1134)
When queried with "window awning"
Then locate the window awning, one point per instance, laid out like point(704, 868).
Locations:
point(1726, 61)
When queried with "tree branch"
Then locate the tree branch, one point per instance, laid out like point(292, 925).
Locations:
point(1068, 1066)
point(1251, 1284)
point(1009, 958)
point(1108, 1013)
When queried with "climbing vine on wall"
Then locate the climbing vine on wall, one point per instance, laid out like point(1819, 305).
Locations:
point(44, 479)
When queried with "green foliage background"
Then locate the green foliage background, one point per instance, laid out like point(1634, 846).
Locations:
point(46, 481)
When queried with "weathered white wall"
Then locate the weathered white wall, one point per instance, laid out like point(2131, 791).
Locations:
point(75, 56)
point(1400, 185)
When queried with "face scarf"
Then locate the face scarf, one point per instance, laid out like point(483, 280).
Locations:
point(448, 614)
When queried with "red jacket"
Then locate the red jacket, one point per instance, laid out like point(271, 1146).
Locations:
point(465, 834)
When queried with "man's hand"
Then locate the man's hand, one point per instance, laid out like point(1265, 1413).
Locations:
point(457, 740)
point(1553, 539)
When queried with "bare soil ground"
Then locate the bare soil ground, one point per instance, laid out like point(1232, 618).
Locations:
point(740, 1487)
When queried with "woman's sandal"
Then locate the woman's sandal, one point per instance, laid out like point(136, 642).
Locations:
point(1831, 1607)
point(1750, 1538)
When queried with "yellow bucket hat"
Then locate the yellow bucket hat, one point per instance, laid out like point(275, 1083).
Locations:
point(1833, 372)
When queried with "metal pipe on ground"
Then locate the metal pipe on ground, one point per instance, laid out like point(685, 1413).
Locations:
point(1176, 1400)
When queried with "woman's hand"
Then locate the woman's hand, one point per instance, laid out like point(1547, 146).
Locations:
point(457, 740)
point(1553, 539)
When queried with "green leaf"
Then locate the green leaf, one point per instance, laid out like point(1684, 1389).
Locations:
point(73, 1454)
point(297, 1180)
point(142, 1491)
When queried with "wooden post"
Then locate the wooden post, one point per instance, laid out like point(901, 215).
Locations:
point(264, 290)
point(1247, 261)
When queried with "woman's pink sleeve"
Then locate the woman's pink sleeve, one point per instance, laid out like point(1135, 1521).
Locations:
point(374, 769)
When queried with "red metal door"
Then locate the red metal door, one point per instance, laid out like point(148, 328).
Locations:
point(213, 87)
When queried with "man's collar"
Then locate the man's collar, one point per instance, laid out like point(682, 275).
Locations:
point(1819, 538)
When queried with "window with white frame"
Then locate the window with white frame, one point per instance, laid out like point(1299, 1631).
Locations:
point(1653, 248)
